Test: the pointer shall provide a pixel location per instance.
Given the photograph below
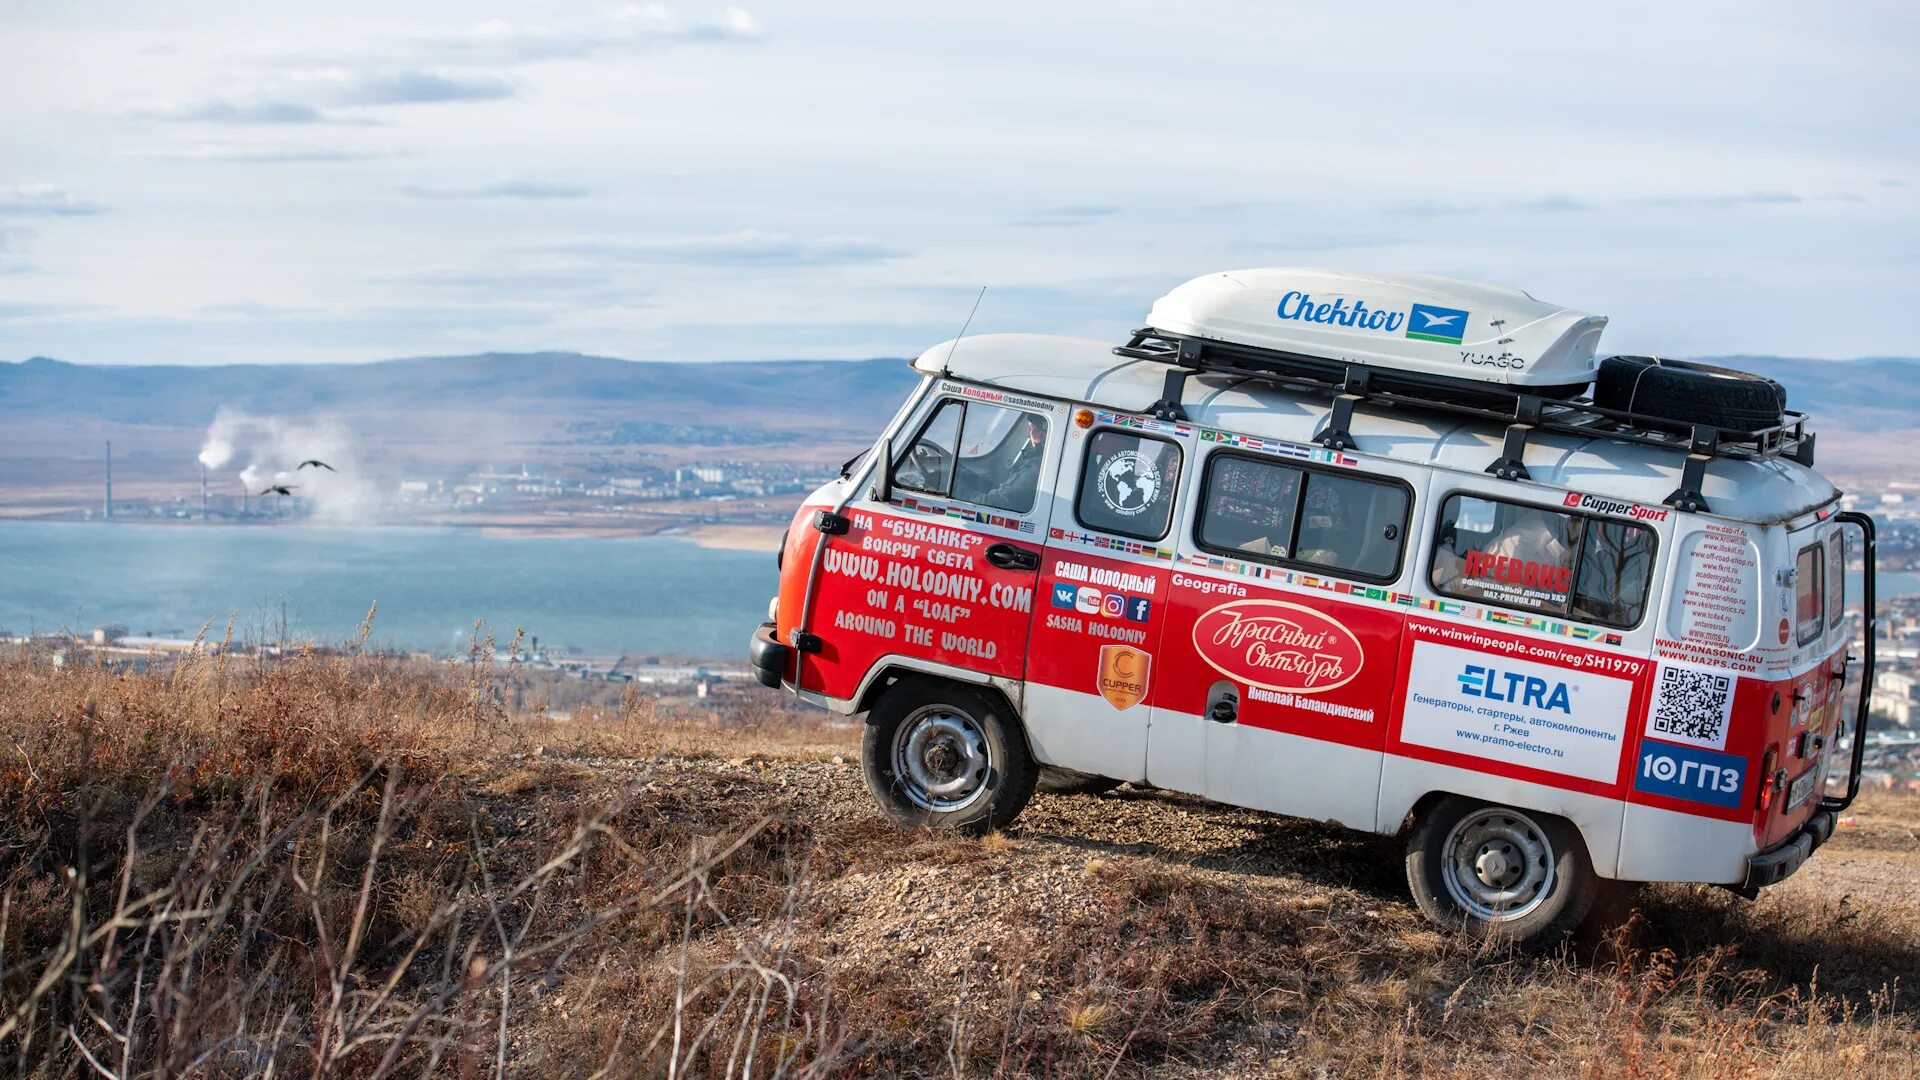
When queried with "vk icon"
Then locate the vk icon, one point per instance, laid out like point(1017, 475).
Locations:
point(1137, 608)
point(1087, 601)
point(1112, 605)
point(1063, 594)
point(1443, 324)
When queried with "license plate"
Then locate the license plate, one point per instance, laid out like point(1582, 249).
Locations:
point(1801, 788)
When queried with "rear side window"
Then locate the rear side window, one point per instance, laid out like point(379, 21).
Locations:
point(1279, 513)
point(1127, 484)
point(1836, 579)
point(1535, 559)
point(977, 453)
point(1809, 613)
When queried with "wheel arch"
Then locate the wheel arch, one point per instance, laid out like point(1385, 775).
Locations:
point(1595, 819)
point(892, 669)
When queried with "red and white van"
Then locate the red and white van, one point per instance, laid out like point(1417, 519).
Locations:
point(1392, 553)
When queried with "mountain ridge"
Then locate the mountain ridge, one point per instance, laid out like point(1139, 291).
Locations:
point(1869, 393)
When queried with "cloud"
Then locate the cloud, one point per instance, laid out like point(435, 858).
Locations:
point(1719, 201)
point(271, 156)
point(417, 88)
point(313, 96)
point(748, 248)
point(248, 112)
point(503, 189)
point(573, 282)
point(1317, 242)
point(45, 200)
point(626, 29)
point(1065, 217)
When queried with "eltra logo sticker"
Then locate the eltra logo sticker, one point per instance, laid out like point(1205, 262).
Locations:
point(1442, 324)
point(1123, 675)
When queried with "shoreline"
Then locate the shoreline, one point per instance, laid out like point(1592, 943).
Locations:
point(713, 537)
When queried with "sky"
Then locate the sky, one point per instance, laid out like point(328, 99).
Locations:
point(224, 181)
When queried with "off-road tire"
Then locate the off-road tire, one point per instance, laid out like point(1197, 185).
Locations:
point(1010, 771)
point(1680, 394)
point(1068, 782)
point(1568, 897)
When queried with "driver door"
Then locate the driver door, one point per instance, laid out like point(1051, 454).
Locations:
point(937, 567)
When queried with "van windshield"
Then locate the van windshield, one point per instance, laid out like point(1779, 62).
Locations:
point(1535, 559)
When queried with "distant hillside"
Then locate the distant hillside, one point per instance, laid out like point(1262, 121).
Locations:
point(1869, 394)
point(554, 384)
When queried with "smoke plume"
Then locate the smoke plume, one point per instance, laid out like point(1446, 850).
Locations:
point(273, 449)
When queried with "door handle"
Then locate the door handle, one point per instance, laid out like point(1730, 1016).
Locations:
point(1009, 557)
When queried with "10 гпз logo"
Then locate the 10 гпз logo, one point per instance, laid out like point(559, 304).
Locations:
point(1688, 772)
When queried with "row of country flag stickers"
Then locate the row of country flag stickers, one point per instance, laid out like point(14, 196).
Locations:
point(1227, 438)
point(1373, 592)
point(1275, 446)
point(1109, 543)
point(964, 513)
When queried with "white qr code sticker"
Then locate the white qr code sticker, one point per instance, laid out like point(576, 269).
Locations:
point(1691, 705)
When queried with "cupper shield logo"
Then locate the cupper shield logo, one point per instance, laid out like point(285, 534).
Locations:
point(1278, 646)
point(1123, 675)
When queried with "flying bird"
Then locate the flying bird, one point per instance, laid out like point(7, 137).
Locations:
point(1437, 320)
point(317, 463)
point(279, 489)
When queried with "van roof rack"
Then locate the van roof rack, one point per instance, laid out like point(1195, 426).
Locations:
point(1522, 410)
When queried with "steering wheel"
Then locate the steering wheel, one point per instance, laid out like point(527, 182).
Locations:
point(927, 463)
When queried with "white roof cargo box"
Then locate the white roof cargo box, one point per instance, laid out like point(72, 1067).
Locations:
point(1404, 322)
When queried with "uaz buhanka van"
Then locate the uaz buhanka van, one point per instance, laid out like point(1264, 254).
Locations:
point(1393, 553)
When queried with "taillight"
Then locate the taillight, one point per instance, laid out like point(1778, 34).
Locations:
point(1769, 783)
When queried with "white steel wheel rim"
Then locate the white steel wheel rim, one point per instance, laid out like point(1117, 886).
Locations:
point(940, 759)
point(1497, 864)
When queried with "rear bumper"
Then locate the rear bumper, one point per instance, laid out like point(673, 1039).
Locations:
point(1776, 865)
point(767, 657)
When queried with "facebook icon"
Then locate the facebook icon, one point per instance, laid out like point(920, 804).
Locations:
point(1138, 607)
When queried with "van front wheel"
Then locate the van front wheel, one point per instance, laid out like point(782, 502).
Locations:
point(1500, 873)
point(940, 755)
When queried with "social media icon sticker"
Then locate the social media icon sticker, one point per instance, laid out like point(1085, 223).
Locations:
point(1087, 601)
point(1063, 594)
point(1113, 605)
point(1138, 608)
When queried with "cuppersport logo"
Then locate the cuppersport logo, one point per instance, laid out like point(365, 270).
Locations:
point(1123, 675)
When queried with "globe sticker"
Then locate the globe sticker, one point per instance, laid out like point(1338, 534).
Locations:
point(1129, 482)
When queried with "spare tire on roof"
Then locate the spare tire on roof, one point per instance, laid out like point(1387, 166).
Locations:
point(1676, 394)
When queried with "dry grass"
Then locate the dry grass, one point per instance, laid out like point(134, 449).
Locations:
point(339, 864)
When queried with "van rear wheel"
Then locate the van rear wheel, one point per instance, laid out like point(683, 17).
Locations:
point(1501, 874)
point(940, 755)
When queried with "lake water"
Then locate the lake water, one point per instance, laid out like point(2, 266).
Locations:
point(602, 596)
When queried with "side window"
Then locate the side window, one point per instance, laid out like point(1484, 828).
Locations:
point(1250, 506)
point(1836, 578)
point(1127, 484)
point(928, 463)
point(1615, 561)
point(1809, 613)
point(977, 453)
point(1279, 513)
point(1535, 559)
point(1351, 524)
